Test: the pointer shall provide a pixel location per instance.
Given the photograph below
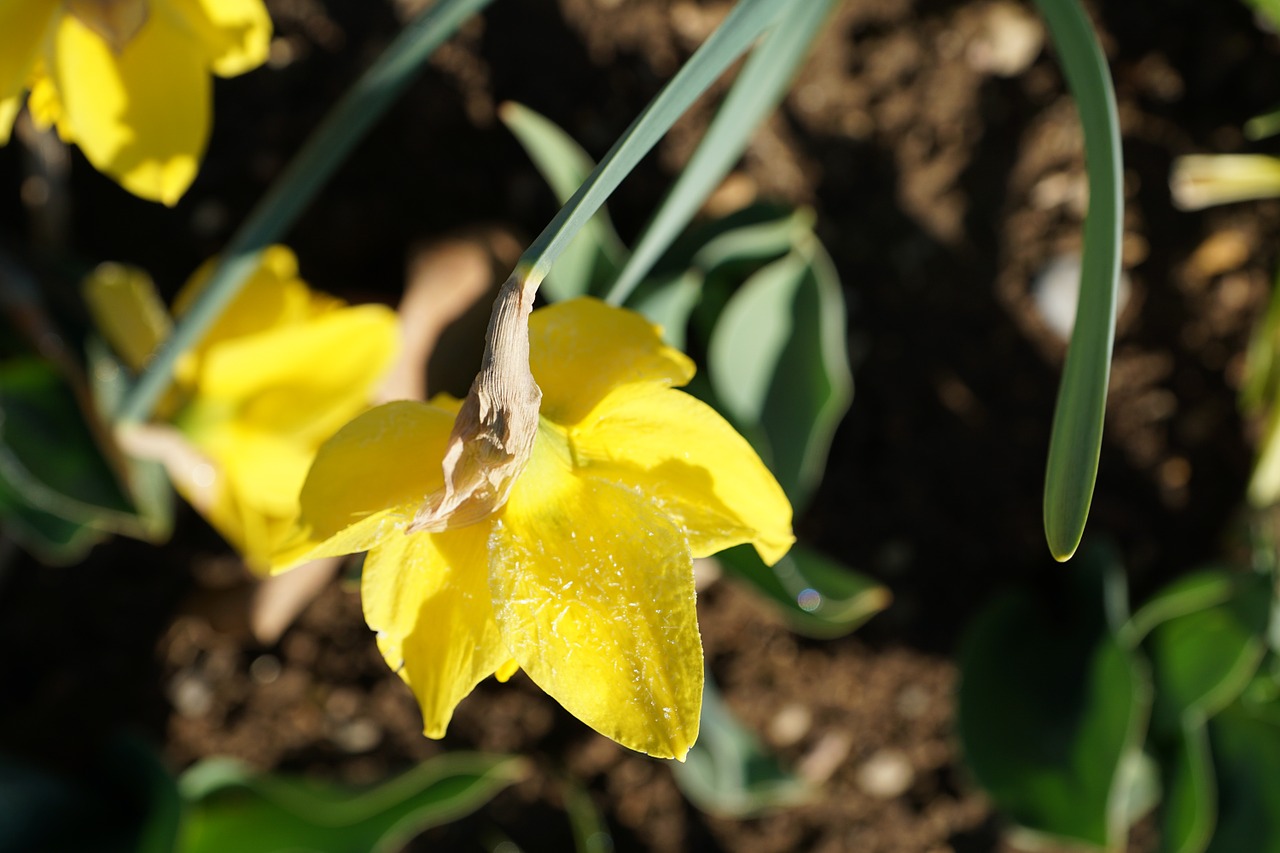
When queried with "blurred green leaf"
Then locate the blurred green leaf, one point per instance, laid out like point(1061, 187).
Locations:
point(233, 809)
point(1076, 441)
point(668, 302)
point(1189, 594)
point(819, 597)
point(596, 255)
point(1189, 810)
point(1269, 9)
point(1202, 660)
point(728, 773)
point(1267, 124)
point(1053, 707)
point(48, 456)
point(52, 540)
point(590, 832)
point(149, 486)
point(1246, 753)
point(778, 363)
point(756, 92)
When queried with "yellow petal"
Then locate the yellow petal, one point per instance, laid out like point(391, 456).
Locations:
point(593, 591)
point(142, 116)
point(127, 310)
point(236, 34)
point(580, 349)
point(266, 470)
point(427, 596)
point(8, 112)
point(678, 450)
point(24, 27)
point(387, 459)
point(304, 381)
point(272, 296)
point(115, 21)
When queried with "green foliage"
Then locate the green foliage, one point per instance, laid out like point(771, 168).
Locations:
point(728, 772)
point(59, 488)
point(1043, 703)
point(817, 596)
point(231, 808)
point(1052, 709)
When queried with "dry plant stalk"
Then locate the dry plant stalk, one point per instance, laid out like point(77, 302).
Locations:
point(493, 434)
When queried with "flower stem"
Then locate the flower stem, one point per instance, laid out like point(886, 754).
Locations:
point(344, 126)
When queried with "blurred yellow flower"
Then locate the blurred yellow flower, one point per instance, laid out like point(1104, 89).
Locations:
point(128, 80)
point(584, 578)
point(278, 373)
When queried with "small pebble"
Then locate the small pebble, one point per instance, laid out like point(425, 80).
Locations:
point(886, 775)
point(790, 724)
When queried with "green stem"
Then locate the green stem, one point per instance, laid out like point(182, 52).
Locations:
point(327, 148)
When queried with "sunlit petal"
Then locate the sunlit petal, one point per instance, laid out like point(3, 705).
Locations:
point(427, 597)
point(582, 348)
point(304, 381)
point(593, 591)
point(141, 116)
point(678, 450)
point(8, 112)
point(236, 34)
point(24, 27)
point(387, 458)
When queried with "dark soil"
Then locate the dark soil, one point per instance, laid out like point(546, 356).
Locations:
point(941, 189)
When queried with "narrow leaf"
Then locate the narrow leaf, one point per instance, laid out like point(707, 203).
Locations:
point(740, 28)
point(598, 253)
point(756, 92)
point(1076, 441)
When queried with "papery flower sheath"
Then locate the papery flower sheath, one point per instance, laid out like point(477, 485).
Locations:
point(280, 371)
point(583, 577)
point(128, 80)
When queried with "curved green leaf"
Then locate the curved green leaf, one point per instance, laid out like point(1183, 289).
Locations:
point(1076, 441)
point(234, 809)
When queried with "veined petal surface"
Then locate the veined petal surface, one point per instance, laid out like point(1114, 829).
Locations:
point(388, 458)
point(593, 592)
point(427, 597)
point(582, 348)
point(141, 116)
point(678, 450)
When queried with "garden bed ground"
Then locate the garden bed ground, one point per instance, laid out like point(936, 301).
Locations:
point(941, 188)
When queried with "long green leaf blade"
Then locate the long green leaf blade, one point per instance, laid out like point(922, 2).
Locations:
point(1076, 441)
point(756, 92)
point(340, 131)
point(732, 38)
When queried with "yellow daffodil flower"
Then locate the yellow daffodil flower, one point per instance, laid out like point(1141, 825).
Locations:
point(584, 577)
point(278, 373)
point(128, 80)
